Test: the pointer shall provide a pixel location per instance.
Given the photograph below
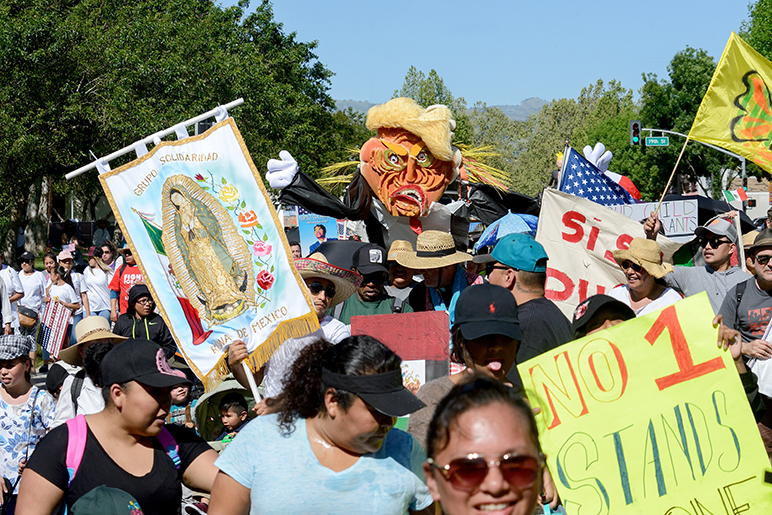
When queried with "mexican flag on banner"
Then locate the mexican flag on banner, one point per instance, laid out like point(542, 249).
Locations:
point(738, 194)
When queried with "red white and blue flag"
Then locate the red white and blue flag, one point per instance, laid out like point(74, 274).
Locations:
point(581, 178)
point(54, 326)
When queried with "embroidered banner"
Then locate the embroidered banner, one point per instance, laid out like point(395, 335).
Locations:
point(211, 248)
point(649, 417)
point(580, 236)
point(54, 327)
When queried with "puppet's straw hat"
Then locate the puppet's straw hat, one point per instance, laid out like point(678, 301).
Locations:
point(345, 281)
point(433, 249)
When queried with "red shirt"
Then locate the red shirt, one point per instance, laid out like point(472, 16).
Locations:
point(121, 283)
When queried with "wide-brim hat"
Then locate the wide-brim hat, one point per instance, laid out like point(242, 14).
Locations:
point(764, 239)
point(749, 238)
point(89, 329)
point(647, 254)
point(398, 247)
point(433, 249)
point(345, 281)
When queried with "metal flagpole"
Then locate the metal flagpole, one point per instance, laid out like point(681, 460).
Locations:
point(156, 138)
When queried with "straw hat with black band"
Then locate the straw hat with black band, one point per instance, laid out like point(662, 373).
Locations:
point(345, 281)
point(764, 239)
point(433, 249)
point(90, 329)
point(647, 254)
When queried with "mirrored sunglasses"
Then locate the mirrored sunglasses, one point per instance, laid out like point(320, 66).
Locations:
point(466, 474)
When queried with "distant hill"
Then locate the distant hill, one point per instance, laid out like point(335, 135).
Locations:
point(516, 112)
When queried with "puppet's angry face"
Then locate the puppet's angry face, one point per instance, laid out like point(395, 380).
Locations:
point(403, 172)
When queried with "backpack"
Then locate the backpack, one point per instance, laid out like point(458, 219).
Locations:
point(76, 445)
point(75, 389)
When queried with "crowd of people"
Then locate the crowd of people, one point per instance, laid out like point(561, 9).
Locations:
point(117, 420)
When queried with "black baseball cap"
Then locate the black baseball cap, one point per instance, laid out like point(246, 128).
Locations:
point(142, 361)
point(369, 259)
point(486, 309)
point(385, 392)
point(585, 311)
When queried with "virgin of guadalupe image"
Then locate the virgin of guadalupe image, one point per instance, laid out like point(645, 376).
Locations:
point(209, 259)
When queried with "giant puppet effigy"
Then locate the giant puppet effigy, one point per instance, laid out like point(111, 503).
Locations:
point(410, 178)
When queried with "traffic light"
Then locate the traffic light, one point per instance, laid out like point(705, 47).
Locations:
point(635, 132)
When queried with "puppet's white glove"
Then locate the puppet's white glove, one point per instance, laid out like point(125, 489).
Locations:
point(281, 171)
point(598, 156)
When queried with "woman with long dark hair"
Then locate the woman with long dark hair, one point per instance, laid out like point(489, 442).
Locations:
point(331, 444)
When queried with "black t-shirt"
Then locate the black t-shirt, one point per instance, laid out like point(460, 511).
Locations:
point(544, 328)
point(158, 493)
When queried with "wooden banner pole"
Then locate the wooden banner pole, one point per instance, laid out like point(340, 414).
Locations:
point(671, 176)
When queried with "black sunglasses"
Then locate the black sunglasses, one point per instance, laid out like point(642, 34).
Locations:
point(763, 260)
point(466, 474)
point(714, 242)
point(127, 253)
point(316, 289)
point(376, 278)
point(490, 267)
point(629, 264)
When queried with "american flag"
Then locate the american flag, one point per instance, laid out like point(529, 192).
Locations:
point(581, 178)
point(54, 325)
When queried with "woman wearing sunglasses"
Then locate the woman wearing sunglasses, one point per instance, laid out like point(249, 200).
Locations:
point(483, 451)
point(645, 290)
point(330, 448)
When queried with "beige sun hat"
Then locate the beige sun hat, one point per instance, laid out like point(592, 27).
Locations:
point(647, 254)
point(398, 247)
point(316, 265)
point(433, 249)
point(89, 329)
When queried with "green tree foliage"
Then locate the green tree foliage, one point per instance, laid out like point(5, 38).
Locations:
point(430, 89)
point(672, 104)
point(599, 114)
point(757, 29)
point(101, 74)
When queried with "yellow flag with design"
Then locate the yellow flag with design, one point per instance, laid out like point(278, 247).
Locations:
point(736, 112)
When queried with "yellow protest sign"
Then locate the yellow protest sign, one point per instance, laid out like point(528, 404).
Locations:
point(649, 417)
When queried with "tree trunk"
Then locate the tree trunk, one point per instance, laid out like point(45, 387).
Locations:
point(38, 217)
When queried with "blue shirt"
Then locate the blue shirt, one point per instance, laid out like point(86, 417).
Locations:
point(285, 476)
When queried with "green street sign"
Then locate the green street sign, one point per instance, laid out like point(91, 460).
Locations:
point(660, 141)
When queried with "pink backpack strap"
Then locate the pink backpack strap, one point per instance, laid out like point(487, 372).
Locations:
point(76, 445)
point(169, 444)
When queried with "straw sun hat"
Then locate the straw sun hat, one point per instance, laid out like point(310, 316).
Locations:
point(399, 247)
point(433, 249)
point(345, 281)
point(88, 330)
point(647, 254)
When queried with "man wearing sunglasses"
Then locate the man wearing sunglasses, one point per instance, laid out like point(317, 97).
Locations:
point(718, 239)
point(519, 263)
point(371, 298)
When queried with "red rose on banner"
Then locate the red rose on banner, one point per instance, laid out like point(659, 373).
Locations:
point(261, 248)
point(265, 279)
point(199, 177)
point(248, 219)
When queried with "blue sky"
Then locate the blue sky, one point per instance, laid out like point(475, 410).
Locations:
point(504, 51)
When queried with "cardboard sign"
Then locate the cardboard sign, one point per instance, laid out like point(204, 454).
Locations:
point(649, 417)
point(580, 236)
point(678, 217)
point(415, 337)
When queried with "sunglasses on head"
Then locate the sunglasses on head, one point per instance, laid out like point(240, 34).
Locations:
point(316, 289)
point(714, 242)
point(763, 260)
point(466, 474)
point(629, 264)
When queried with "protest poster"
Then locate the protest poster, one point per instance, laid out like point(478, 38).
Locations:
point(579, 237)
point(54, 327)
point(649, 417)
point(211, 248)
point(678, 217)
point(315, 230)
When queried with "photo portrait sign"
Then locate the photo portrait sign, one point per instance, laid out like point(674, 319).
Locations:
point(649, 417)
point(211, 248)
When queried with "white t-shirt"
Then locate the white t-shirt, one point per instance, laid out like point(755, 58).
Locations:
point(90, 401)
point(34, 286)
point(668, 297)
point(96, 282)
point(80, 287)
point(12, 286)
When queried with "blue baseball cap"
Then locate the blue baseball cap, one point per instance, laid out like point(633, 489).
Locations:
point(521, 251)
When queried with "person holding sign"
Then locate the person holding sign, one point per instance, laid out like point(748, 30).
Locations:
point(331, 447)
point(644, 269)
point(484, 451)
point(718, 239)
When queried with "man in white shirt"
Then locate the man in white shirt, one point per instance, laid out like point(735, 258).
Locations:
point(328, 286)
point(13, 289)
